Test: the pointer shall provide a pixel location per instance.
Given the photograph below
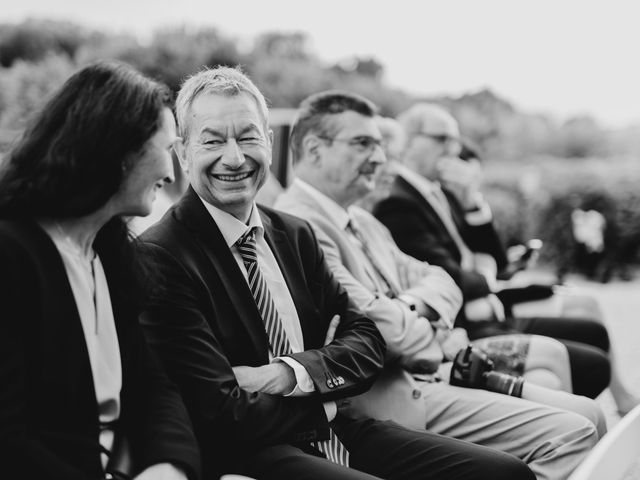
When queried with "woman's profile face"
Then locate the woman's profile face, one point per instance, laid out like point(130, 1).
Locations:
point(148, 172)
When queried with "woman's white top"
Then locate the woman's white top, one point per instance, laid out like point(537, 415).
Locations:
point(91, 292)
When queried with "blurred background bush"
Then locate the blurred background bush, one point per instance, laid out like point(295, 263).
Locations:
point(537, 170)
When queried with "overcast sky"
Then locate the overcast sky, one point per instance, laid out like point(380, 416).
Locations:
point(562, 57)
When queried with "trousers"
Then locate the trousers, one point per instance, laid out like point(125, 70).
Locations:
point(385, 450)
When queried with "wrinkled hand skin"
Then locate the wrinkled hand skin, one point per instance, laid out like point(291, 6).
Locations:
point(462, 178)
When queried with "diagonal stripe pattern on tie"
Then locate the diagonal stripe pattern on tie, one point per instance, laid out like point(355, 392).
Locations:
point(332, 448)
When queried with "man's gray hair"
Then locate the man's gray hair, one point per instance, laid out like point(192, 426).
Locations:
point(219, 80)
point(415, 119)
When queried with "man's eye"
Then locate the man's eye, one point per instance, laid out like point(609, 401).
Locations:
point(211, 142)
point(248, 139)
point(365, 143)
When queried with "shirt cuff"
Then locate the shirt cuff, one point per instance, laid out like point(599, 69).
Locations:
point(481, 215)
point(304, 384)
point(330, 409)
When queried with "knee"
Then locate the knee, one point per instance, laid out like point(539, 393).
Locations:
point(579, 430)
point(548, 351)
point(590, 370)
point(590, 409)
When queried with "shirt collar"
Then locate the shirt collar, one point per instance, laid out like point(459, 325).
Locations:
point(425, 186)
point(335, 212)
point(231, 228)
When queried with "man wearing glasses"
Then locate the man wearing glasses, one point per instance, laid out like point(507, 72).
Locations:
point(336, 149)
point(436, 213)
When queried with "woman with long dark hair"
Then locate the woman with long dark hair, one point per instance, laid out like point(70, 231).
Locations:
point(78, 384)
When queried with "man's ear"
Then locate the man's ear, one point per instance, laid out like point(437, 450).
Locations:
point(180, 149)
point(311, 148)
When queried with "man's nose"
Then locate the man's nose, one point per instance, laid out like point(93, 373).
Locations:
point(232, 156)
point(378, 156)
point(453, 148)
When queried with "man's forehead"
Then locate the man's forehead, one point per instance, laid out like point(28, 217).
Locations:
point(439, 122)
point(219, 111)
point(354, 123)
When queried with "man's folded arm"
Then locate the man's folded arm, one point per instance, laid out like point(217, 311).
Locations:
point(178, 331)
point(412, 234)
point(410, 339)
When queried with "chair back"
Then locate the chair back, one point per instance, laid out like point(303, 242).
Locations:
point(617, 455)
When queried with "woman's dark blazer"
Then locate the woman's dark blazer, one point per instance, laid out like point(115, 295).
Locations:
point(48, 410)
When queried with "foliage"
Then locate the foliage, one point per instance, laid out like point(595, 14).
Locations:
point(25, 86)
point(537, 169)
point(34, 40)
point(543, 208)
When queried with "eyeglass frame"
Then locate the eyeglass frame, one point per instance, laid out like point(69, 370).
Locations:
point(353, 142)
point(442, 138)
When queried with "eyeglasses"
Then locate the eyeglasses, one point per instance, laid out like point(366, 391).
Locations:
point(439, 137)
point(362, 144)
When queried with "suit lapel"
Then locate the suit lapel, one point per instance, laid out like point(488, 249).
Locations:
point(207, 235)
point(410, 191)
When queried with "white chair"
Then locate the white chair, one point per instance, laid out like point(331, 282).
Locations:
point(615, 454)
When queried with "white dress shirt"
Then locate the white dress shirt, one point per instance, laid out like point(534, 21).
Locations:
point(232, 230)
point(91, 293)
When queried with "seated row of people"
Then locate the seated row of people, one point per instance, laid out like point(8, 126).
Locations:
point(232, 337)
point(435, 211)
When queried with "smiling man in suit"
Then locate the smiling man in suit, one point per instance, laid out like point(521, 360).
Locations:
point(244, 315)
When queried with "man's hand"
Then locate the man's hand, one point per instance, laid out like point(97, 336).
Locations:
point(463, 179)
point(275, 378)
point(161, 471)
point(452, 341)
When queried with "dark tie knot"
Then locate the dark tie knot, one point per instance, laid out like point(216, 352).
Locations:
point(247, 245)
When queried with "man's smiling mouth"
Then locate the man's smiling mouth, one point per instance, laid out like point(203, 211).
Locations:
point(236, 177)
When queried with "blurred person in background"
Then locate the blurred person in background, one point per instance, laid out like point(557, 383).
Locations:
point(436, 213)
point(82, 397)
point(337, 153)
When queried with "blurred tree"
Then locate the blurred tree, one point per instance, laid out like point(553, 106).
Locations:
point(364, 66)
point(294, 46)
point(172, 54)
point(582, 137)
point(25, 86)
point(32, 40)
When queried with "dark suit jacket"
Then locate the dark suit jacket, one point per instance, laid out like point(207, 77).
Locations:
point(205, 321)
point(419, 232)
point(48, 411)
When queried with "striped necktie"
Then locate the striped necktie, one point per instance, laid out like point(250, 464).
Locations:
point(280, 346)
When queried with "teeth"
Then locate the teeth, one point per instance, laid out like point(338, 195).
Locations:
point(233, 178)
